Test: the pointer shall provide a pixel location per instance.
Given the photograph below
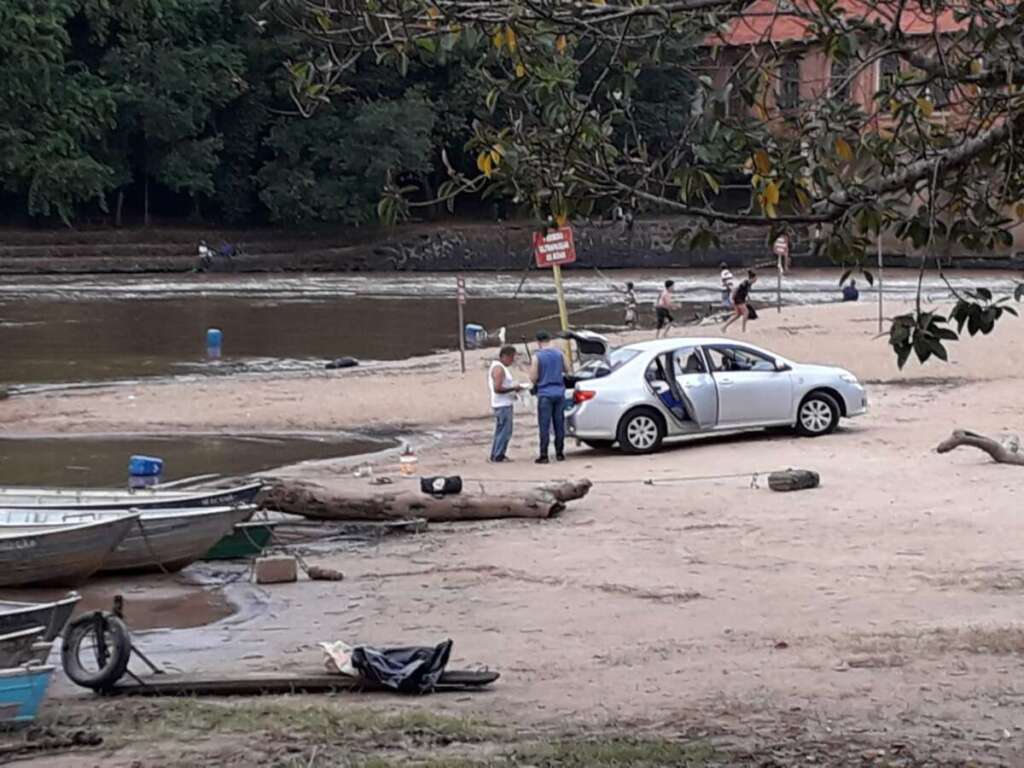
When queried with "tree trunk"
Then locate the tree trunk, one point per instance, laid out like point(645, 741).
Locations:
point(145, 203)
point(1006, 452)
point(346, 500)
point(119, 207)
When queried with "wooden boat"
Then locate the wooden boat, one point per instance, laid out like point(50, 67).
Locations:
point(22, 691)
point(16, 647)
point(161, 540)
point(141, 499)
point(51, 615)
point(246, 540)
point(62, 555)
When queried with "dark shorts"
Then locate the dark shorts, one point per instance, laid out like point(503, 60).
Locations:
point(663, 316)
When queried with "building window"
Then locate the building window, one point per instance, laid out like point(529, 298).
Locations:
point(888, 71)
point(939, 92)
point(789, 83)
point(839, 80)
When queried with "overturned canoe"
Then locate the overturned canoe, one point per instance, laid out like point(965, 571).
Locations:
point(160, 540)
point(141, 499)
point(61, 555)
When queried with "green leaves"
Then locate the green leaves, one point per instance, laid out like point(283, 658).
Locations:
point(921, 334)
point(977, 310)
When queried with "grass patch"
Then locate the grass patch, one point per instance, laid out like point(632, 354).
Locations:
point(323, 720)
point(610, 752)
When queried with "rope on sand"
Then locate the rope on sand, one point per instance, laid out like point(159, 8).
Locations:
point(652, 481)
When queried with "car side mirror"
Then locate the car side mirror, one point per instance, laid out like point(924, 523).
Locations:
point(781, 366)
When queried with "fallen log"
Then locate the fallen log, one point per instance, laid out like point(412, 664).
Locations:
point(347, 500)
point(1005, 452)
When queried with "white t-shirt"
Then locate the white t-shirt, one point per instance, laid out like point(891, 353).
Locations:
point(728, 281)
point(501, 399)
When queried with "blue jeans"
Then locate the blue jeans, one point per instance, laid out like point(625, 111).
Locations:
point(551, 410)
point(502, 432)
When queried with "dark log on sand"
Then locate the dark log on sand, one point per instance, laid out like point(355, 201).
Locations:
point(358, 501)
point(1005, 452)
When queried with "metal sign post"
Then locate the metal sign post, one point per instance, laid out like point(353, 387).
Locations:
point(460, 298)
point(554, 248)
point(781, 249)
point(881, 311)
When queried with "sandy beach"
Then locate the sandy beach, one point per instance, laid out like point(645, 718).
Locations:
point(881, 609)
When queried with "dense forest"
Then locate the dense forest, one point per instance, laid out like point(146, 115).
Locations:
point(116, 111)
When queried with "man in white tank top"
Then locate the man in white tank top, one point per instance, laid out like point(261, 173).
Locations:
point(503, 397)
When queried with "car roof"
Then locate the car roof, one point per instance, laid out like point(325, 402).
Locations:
point(665, 345)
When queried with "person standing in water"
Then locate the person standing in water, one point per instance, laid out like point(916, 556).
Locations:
point(728, 285)
point(739, 301)
point(631, 306)
point(663, 310)
point(503, 398)
point(547, 372)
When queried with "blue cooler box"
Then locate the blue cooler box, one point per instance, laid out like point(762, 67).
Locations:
point(145, 466)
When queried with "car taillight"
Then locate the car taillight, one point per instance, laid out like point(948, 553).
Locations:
point(582, 395)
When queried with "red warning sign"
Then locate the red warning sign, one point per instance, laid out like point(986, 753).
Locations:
point(554, 247)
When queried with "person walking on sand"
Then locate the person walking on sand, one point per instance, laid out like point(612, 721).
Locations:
point(547, 372)
point(728, 285)
point(663, 310)
point(503, 398)
point(631, 306)
point(739, 301)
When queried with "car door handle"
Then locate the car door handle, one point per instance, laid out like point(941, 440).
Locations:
point(725, 382)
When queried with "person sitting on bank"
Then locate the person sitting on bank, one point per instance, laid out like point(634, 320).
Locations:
point(850, 292)
point(503, 399)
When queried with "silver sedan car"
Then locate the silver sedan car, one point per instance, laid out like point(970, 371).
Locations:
point(643, 394)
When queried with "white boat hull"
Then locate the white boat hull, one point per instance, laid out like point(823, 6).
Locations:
point(161, 540)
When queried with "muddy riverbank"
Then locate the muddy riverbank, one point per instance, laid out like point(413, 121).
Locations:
point(422, 247)
point(878, 612)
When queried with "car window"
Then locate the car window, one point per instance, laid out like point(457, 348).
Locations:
point(687, 360)
point(616, 360)
point(620, 357)
point(656, 370)
point(738, 359)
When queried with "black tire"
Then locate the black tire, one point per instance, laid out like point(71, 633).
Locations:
point(817, 415)
point(641, 431)
point(601, 445)
point(118, 650)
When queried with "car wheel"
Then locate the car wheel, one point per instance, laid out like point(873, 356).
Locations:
point(599, 444)
point(641, 431)
point(818, 415)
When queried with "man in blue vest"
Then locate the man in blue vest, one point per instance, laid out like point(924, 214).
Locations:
point(547, 372)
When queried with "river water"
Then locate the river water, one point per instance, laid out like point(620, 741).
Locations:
point(101, 461)
point(61, 330)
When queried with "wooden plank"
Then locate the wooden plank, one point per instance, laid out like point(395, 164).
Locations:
point(256, 684)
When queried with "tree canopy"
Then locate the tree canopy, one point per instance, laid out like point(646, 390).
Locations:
point(181, 107)
point(568, 120)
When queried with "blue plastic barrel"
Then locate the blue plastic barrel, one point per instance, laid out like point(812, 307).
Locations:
point(214, 340)
point(475, 335)
point(145, 466)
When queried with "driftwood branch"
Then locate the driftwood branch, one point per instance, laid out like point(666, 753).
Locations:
point(347, 500)
point(1005, 452)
